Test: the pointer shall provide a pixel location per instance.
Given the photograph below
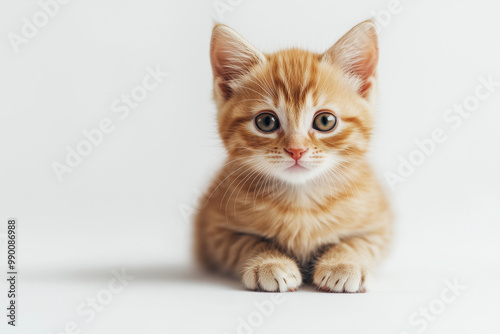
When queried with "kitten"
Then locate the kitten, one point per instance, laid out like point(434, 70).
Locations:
point(296, 199)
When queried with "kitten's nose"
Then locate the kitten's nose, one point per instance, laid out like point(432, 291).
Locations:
point(296, 153)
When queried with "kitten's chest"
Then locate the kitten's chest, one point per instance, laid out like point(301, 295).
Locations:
point(300, 222)
point(301, 229)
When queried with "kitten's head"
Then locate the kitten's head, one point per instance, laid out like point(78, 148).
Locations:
point(294, 114)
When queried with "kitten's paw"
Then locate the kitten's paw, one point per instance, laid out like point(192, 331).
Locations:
point(341, 277)
point(272, 274)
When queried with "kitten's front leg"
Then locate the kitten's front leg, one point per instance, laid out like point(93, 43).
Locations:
point(260, 264)
point(347, 266)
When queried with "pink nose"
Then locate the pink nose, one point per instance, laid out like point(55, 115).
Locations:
point(296, 153)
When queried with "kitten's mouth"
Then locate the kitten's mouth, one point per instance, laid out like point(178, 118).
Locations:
point(297, 168)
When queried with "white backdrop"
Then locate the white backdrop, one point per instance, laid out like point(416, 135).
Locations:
point(127, 204)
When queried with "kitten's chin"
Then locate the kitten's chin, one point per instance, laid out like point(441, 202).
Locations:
point(297, 169)
point(297, 174)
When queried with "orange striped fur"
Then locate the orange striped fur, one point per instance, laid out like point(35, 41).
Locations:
point(327, 220)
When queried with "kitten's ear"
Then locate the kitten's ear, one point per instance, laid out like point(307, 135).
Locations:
point(357, 54)
point(231, 57)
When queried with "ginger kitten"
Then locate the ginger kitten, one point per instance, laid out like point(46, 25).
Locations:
point(296, 199)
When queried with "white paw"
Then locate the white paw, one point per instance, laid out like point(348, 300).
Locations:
point(341, 277)
point(272, 274)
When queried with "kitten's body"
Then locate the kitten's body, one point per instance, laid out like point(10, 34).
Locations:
point(262, 219)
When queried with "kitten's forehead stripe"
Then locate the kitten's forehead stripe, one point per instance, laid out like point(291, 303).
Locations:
point(294, 74)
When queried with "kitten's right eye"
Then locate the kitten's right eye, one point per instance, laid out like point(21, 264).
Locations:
point(267, 122)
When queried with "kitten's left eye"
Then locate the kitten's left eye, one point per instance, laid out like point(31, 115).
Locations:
point(324, 122)
point(267, 122)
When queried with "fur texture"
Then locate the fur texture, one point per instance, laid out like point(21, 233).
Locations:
point(275, 220)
